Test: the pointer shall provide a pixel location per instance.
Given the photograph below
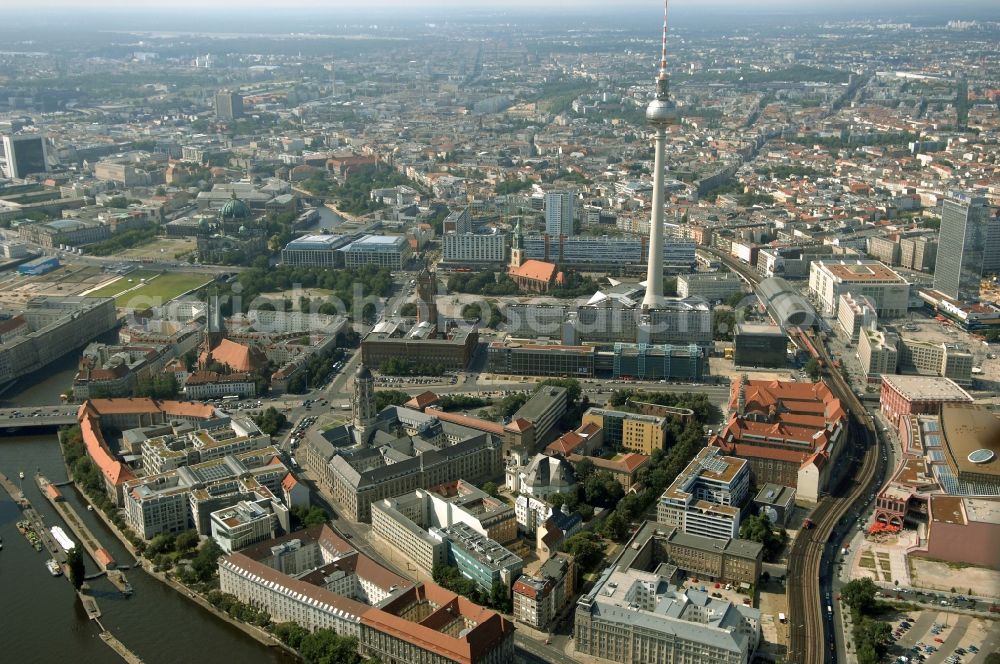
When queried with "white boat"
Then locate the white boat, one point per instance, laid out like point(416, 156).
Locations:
point(21, 475)
point(54, 568)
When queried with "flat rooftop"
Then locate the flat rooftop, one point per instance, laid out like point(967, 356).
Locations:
point(926, 388)
point(862, 271)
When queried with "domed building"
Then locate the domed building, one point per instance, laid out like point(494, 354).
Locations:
point(235, 214)
point(238, 237)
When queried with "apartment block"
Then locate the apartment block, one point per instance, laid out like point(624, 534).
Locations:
point(710, 285)
point(474, 249)
point(855, 313)
point(539, 598)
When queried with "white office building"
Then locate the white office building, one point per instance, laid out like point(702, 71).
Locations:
point(475, 248)
point(705, 498)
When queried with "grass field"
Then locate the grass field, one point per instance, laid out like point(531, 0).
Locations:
point(158, 289)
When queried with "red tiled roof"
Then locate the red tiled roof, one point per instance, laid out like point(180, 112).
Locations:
point(471, 422)
point(519, 425)
point(422, 400)
point(536, 270)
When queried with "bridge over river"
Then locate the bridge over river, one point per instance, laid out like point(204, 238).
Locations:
point(28, 418)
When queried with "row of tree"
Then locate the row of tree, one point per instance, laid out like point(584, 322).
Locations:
point(402, 366)
point(497, 598)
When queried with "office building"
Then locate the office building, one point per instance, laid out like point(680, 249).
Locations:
point(793, 434)
point(478, 558)
point(927, 358)
point(539, 598)
point(707, 496)
point(457, 221)
point(855, 313)
point(39, 266)
point(53, 326)
point(654, 361)
point(228, 105)
point(391, 251)
point(918, 253)
point(628, 431)
point(713, 286)
point(318, 580)
point(420, 450)
point(474, 249)
point(613, 317)
point(244, 524)
point(878, 351)
point(968, 246)
point(410, 522)
point(775, 502)
point(560, 213)
point(613, 254)
point(525, 359)
point(902, 396)
point(420, 344)
point(829, 279)
point(543, 411)
point(759, 346)
point(24, 155)
point(186, 496)
point(885, 249)
point(315, 251)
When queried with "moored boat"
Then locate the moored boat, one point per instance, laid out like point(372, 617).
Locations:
point(54, 568)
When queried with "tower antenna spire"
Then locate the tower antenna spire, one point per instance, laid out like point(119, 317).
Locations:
point(663, 45)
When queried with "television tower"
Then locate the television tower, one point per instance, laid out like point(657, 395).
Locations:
point(659, 114)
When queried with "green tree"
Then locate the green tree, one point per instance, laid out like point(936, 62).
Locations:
point(813, 369)
point(385, 398)
point(859, 595)
point(325, 646)
point(760, 529)
point(586, 547)
point(74, 560)
point(204, 564)
point(307, 517)
point(186, 540)
point(616, 526)
point(490, 488)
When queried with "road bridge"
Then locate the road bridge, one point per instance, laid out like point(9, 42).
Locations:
point(26, 418)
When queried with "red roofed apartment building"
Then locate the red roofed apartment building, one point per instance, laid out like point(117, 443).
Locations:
point(791, 433)
point(122, 414)
point(320, 581)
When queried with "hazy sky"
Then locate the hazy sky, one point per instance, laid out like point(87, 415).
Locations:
point(810, 6)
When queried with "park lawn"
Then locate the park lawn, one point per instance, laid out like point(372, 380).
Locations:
point(161, 289)
point(122, 283)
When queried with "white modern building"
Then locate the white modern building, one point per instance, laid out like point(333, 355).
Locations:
point(705, 499)
point(391, 251)
point(829, 279)
point(243, 524)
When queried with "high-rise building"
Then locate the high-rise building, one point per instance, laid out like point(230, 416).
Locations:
point(228, 105)
point(24, 154)
point(559, 213)
point(659, 114)
point(968, 245)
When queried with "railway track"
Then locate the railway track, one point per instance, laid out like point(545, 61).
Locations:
point(813, 640)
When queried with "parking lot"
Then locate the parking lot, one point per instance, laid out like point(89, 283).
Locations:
point(937, 636)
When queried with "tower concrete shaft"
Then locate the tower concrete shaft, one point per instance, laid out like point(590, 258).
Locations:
point(654, 266)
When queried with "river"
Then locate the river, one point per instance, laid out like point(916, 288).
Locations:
point(42, 620)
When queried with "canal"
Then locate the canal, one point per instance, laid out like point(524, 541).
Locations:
point(43, 621)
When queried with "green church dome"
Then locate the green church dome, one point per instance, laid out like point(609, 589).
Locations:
point(235, 209)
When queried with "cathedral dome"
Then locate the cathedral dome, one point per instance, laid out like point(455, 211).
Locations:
point(235, 209)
